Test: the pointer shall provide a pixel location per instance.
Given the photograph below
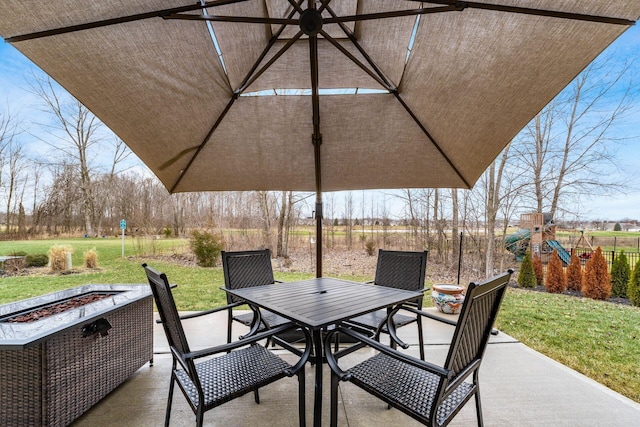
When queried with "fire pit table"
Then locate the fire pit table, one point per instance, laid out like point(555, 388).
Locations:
point(55, 368)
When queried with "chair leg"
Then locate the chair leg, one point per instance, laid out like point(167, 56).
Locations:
point(256, 396)
point(420, 338)
point(334, 400)
point(302, 418)
point(477, 397)
point(169, 401)
point(229, 321)
point(199, 417)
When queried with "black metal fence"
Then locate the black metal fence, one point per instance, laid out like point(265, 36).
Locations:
point(585, 254)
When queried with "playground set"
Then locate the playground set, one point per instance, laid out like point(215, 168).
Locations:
point(538, 232)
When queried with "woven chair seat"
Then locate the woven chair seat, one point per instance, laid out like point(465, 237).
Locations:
point(272, 319)
point(411, 388)
point(233, 374)
point(372, 320)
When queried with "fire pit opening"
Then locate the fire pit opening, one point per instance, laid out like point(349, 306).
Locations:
point(33, 314)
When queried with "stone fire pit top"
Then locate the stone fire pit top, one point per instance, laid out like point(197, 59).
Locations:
point(16, 336)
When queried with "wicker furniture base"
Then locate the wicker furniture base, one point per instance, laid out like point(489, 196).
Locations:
point(55, 381)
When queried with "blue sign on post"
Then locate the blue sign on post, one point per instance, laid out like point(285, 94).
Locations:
point(123, 226)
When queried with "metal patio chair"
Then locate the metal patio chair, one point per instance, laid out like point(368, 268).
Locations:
point(429, 393)
point(235, 369)
point(245, 269)
point(402, 270)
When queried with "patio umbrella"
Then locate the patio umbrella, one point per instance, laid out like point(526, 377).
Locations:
point(318, 95)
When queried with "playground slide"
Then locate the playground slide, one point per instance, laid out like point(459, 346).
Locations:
point(562, 252)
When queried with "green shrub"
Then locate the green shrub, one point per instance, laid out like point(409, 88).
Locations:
point(633, 288)
point(167, 232)
point(526, 275)
point(620, 275)
point(617, 227)
point(38, 260)
point(206, 247)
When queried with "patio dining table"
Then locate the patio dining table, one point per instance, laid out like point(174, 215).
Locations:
point(317, 303)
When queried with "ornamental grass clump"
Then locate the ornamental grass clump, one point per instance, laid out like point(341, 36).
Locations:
point(556, 282)
point(596, 280)
point(574, 274)
point(538, 269)
point(91, 258)
point(526, 275)
point(633, 287)
point(58, 257)
point(620, 275)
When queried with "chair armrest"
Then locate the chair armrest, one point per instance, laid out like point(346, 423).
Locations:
point(430, 316)
point(494, 331)
point(224, 348)
point(204, 313)
point(405, 358)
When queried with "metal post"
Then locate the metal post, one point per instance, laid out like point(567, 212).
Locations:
point(460, 257)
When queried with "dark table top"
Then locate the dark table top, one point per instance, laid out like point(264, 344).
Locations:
point(316, 303)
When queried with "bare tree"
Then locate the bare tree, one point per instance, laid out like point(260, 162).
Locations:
point(349, 208)
point(75, 131)
point(15, 166)
point(569, 143)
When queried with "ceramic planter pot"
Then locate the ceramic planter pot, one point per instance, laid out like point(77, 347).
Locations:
point(448, 298)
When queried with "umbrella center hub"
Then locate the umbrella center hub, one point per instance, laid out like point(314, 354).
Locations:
point(310, 22)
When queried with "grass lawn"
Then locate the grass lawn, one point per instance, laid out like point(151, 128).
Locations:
point(598, 339)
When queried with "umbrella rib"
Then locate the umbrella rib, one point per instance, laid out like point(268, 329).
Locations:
point(532, 11)
point(204, 142)
point(242, 19)
point(357, 61)
point(364, 53)
point(428, 135)
point(248, 79)
point(394, 14)
point(120, 20)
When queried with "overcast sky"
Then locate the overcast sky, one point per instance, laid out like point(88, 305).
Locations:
point(15, 70)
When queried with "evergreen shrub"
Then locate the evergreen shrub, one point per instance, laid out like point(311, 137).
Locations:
point(633, 288)
point(206, 247)
point(596, 280)
point(538, 270)
point(526, 275)
point(37, 260)
point(620, 275)
point(556, 281)
point(574, 274)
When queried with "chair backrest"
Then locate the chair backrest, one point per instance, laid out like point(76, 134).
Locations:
point(479, 311)
point(246, 269)
point(167, 309)
point(402, 270)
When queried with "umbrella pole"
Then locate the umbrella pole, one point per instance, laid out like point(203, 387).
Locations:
point(319, 235)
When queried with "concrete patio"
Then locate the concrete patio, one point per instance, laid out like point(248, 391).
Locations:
point(519, 386)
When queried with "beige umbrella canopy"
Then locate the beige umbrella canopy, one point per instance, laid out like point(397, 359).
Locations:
point(318, 95)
